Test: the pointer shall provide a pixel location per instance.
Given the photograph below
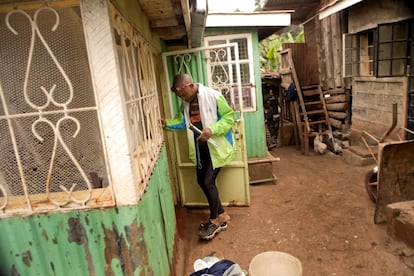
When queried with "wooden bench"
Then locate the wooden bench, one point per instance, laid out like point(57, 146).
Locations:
point(261, 169)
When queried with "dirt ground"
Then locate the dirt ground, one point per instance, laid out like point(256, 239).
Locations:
point(318, 211)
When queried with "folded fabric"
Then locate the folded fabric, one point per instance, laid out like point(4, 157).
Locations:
point(221, 268)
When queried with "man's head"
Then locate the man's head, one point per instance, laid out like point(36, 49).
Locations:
point(184, 87)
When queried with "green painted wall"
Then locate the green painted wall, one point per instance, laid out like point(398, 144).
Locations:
point(254, 121)
point(131, 240)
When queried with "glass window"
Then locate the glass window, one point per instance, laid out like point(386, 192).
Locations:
point(351, 55)
point(392, 49)
point(380, 52)
point(222, 66)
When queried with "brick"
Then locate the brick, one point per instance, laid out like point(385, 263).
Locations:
point(400, 221)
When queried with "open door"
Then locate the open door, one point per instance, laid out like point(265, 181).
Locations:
point(217, 67)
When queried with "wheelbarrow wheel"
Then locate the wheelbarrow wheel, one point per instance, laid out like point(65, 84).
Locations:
point(371, 184)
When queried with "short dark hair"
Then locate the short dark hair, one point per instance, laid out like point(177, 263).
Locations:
point(182, 79)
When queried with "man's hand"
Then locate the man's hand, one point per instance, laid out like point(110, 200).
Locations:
point(205, 134)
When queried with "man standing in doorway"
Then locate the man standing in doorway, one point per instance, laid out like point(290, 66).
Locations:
point(210, 140)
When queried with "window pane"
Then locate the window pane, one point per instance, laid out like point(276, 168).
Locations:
point(384, 51)
point(354, 41)
point(398, 67)
point(355, 55)
point(384, 68)
point(399, 50)
point(351, 69)
point(348, 69)
point(216, 42)
point(243, 53)
point(348, 41)
point(220, 74)
point(244, 73)
point(247, 97)
point(348, 55)
point(400, 31)
point(218, 55)
point(223, 69)
point(385, 33)
point(351, 55)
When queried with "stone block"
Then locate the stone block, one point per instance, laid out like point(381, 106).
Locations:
point(400, 221)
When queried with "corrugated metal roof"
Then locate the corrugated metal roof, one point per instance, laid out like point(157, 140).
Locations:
point(303, 9)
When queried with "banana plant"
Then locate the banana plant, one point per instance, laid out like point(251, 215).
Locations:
point(270, 47)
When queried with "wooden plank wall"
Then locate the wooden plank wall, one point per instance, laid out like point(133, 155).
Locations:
point(324, 46)
point(319, 61)
point(328, 37)
point(306, 63)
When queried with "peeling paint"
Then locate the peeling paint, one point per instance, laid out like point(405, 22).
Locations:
point(78, 235)
point(13, 271)
point(44, 234)
point(127, 240)
point(76, 231)
point(27, 258)
point(52, 266)
point(116, 247)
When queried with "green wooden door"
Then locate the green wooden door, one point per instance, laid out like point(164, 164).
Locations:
point(217, 67)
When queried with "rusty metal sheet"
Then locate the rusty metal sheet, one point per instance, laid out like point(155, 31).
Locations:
point(395, 175)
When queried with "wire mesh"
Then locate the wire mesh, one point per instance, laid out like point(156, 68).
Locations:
point(140, 99)
point(48, 106)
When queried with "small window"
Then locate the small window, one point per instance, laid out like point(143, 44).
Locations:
point(380, 52)
point(392, 49)
point(51, 143)
point(351, 55)
point(225, 66)
point(359, 59)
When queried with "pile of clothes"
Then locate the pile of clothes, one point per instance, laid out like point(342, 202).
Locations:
point(215, 265)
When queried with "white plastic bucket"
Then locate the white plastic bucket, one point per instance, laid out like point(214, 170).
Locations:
point(275, 263)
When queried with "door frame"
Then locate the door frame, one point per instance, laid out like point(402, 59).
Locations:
point(188, 192)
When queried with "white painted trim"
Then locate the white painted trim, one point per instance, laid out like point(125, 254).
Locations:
point(107, 82)
point(248, 19)
point(336, 7)
point(249, 60)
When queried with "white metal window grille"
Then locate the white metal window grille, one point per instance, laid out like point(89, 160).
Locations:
point(140, 99)
point(50, 140)
point(224, 65)
point(188, 60)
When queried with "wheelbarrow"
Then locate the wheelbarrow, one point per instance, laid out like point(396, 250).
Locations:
point(392, 178)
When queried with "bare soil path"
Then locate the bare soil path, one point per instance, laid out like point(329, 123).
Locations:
point(318, 211)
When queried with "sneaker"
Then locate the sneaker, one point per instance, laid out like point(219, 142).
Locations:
point(224, 219)
point(223, 225)
point(209, 231)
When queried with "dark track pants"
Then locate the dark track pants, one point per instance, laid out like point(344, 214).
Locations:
point(206, 178)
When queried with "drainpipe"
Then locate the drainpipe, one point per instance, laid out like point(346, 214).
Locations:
point(198, 11)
